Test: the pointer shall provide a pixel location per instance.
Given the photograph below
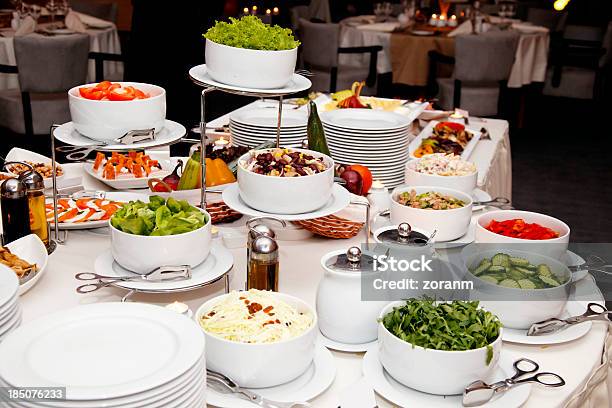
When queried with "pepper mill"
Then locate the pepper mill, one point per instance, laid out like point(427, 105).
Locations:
point(35, 187)
point(15, 210)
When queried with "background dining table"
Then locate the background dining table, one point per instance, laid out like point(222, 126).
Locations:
point(101, 40)
point(405, 53)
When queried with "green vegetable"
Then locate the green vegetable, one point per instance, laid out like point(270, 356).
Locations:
point(550, 281)
point(251, 33)
point(526, 284)
point(482, 267)
point(544, 270)
point(519, 261)
point(509, 283)
point(501, 260)
point(454, 326)
point(158, 217)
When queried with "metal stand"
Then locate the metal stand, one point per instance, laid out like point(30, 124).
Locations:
point(368, 228)
point(60, 240)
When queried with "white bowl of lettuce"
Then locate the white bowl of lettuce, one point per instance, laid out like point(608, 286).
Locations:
point(145, 236)
point(248, 53)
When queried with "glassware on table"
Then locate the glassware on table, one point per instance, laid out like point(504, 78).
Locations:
point(378, 10)
point(52, 6)
point(387, 9)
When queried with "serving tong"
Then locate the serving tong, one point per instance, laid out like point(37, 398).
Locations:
point(226, 385)
point(96, 194)
point(163, 273)
point(132, 137)
point(498, 202)
point(479, 392)
point(594, 312)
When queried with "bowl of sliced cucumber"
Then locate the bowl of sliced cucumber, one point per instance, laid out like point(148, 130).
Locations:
point(520, 287)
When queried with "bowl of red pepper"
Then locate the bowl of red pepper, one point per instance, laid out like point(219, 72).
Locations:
point(526, 230)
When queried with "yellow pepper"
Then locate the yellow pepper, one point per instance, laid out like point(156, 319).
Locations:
point(218, 173)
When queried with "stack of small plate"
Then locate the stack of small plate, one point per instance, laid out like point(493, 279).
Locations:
point(109, 355)
point(255, 126)
point(10, 310)
point(373, 138)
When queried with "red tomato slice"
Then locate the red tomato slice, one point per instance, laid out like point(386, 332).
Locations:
point(103, 86)
point(138, 94)
point(122, 94)
point(91, 93)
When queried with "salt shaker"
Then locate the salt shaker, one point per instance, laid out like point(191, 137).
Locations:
point(263, 265)
point(15, 210)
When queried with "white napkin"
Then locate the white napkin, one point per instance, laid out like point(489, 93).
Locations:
point(74, 22)
point(27, 26)
point(382, 27)
point(93, 22)
point(529, 28)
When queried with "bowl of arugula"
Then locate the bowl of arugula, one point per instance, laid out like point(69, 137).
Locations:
point(248, 53)
point(438, 347)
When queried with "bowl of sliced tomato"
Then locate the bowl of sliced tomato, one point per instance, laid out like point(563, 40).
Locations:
point(107, 110)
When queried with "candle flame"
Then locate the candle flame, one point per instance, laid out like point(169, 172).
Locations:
point(559, 5)
point(434, 16)
point(268, 11)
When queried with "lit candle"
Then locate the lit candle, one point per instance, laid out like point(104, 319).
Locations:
point(178, 307)
point(245, 10)
point(456, 117)
point(433, 21)
point(268, 12)
point(275, 11)
point(254, 9)
point(453, 21)
point(442, 21)
point(220, 143)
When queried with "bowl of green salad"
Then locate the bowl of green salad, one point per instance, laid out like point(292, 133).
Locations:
point(247, 53)
point(438, 347)
point(145, 236)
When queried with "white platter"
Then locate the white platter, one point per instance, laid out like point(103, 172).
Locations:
point(32, 250)
point(367, 144)
point(258, 118)
point(309, 385)
point(416, 142)
point(127, 182)
point(398, 394)
point(17, 154)
point(298, 83)
point(218, 263)
point(573, 308)
point(171, 132)
point(56, 350)
point(347, 348)
point(365, 119)
point(110, 195)
point(340, 199)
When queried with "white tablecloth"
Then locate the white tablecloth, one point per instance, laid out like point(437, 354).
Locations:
point(101, 40)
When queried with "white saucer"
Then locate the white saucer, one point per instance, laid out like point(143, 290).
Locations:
point(573, 308)
point(480, 195)
point(340, 199)
point(309, 385)
point(403, 396)
point(218, 263)
point(171, 132)
point(348, 348)
point(298, 83)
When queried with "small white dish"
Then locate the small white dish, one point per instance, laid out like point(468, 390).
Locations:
point(127, 183)
point(171, 132)
point(428, 131)
point(266, 118)
point(317, 378)
point(218, 263)
point(17, 154)
point(32, 250)
point(298, 83)
point(398, 394)
point(340, 199)
point(365, 119)
point(347, 348)
point(572, 308)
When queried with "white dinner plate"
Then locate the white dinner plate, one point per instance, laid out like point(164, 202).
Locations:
point(364, 119)
point(367, 144)
point(317, 378)
point(340, 199)
point(170, 133)
point(217, 264)
point(298, 83)
point(235, 130)
point(11, 324)
point(399, 394)
point(350, 135)
point(32, 250)
point(9, 313)
point(572, 308)
point(9, 286)
point(346, 347)
point(428, 131)
point(128, 182)
point(61, 348)
point(423, 33)
point(109, 195)
point(390, 160)
point(268, 118)
point(17, 154)
point(58, 31)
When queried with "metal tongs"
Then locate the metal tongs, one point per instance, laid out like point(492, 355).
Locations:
point(479, 392)
point(133, 137)
point(594, 312)
point(96, 194)
point(226, 385)
point(163, 273)
point(499, 202)
point(592, 263)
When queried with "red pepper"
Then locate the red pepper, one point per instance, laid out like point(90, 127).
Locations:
point(518, 228)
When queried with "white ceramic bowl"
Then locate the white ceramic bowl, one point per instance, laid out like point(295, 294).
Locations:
point(141, 254)
point(107, 120)
point(449, 224)
point(32, 250)
point(286, 195)
point(260, 69)
point(466, 184)
point(519, 308)
point(261, 365)
point(437, 372)
point(554, 248)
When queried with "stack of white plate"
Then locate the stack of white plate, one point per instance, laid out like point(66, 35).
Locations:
point(255, 126)
point(109, 355)
point(376, 139)
point(10, 310)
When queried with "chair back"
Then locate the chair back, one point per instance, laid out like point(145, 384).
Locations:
point(553, 20)
point(297, 13)
point(51, 64)
point(606, 58)
point(486, 57)
point(105, 11)
point(319, 43)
